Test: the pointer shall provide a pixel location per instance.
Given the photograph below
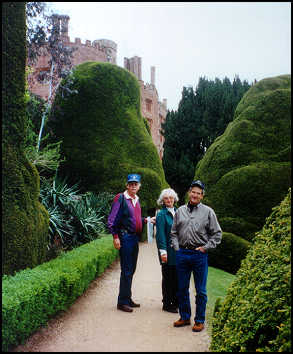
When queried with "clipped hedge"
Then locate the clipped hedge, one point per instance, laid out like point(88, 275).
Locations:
point(238, 226)
point(256, 312)
point(229, 253)
point(33, 296)
point(104, 136)
point(25, 224)
point(247, 170)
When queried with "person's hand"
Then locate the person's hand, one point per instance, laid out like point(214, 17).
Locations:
point(201, 249)
point(164, 258)
point(116, 243)
point(153, 220)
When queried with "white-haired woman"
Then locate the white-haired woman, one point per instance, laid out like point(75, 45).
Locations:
point(164, 221)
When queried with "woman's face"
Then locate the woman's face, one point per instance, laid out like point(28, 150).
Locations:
point(168, 201)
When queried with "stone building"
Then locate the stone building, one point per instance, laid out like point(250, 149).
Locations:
point(105, 50)
point(151, 108)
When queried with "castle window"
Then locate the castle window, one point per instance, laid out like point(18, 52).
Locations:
point(148, 105)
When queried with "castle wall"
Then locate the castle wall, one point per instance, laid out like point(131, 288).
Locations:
point(85, 52)
point(154, 112)
point(151, 108)
point(104, 50)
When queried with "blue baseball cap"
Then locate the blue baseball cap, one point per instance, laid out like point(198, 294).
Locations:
point(197, 183)
point(133, 178)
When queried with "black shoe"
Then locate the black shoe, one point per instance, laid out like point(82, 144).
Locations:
point(170, 308)
point(124, 308)
point(133, 304)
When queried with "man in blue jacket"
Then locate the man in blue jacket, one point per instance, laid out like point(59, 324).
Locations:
point(126, 223)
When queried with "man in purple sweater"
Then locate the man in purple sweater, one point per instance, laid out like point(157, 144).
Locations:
point(126, 224)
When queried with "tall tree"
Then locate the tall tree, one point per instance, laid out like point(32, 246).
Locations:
point(25, 222)
point(45, 39)
point(183, 146)
point(202, 116)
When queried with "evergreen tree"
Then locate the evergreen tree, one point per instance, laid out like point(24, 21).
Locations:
point(202, 116)
point(183, 133)
point(25, 222)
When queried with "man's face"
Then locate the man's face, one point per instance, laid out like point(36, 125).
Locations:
point(195, 195)
point(132, 188)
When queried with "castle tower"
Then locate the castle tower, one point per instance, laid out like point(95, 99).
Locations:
point(133, 65)
point(153, 75)
point(151, 108)
point(109, 47)
point(64, 19)
point(104, 50)
point(56, 24)
point(60, 24)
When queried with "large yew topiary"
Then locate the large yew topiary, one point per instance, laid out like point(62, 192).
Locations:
point(229, 253)
point(247, 170)
point(256, 312)
point(25, 221)
point(103, 132)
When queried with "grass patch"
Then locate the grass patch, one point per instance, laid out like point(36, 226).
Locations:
point(217, 285)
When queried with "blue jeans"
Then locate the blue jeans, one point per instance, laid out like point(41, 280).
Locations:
point(128, 259)
point(188, 261)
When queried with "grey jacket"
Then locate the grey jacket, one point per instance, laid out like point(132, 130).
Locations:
point(199, 228)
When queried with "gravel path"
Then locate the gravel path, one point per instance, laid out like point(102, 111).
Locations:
point(93, 323)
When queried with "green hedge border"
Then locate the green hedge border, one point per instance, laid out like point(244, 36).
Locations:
point(32, 296)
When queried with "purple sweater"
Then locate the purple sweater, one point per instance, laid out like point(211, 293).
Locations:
point(124, 215)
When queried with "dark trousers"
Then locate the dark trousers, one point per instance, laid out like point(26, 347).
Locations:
point(196, 262)
point(128, 259)
point(169, 285)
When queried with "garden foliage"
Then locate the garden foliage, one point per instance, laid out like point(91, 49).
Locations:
point(247, 170)
point(103, 134)
point(33, 296)
point(75, 218)
point(256, 312)
point(203, 114)
point(25, 220)
point(229, 253)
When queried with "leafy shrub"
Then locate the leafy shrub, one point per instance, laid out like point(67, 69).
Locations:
point(256, 313)
point(104, 136)
point(86, 221)
point(217, 306)
point(229, 253)
point(33, 296)
point(75, 218)
point(146, 124)
point(243, 166)
point(101, 202)
point(35, 107)
point(46, 160)
point(238, 226)
point(24, 220)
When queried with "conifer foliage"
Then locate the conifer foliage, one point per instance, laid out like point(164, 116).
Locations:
point(203, 114)
point(256, 313)
point(25, 220)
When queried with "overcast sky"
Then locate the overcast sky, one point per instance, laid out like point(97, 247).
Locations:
point(189, 40)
